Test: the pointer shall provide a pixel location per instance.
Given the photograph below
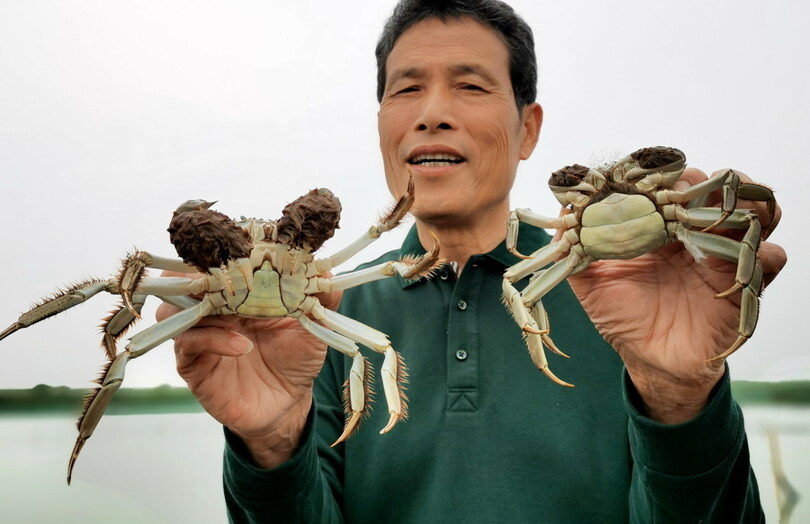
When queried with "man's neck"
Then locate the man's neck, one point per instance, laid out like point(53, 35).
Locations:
point(459, 241)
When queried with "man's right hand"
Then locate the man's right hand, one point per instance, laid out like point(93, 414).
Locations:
point(254, 376)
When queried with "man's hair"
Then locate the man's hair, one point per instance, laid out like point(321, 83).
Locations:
point(498, 16)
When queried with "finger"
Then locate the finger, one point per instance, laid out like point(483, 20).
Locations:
point(165, 310)
point(690, 177)
point(209, 340)
point(330, 300)
point(773, 258)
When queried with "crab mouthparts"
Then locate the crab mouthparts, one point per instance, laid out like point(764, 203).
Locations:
point(435, 160)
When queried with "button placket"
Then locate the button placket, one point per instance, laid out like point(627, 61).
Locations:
point(462, 342)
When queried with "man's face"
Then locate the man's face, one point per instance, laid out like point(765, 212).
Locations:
point(448, 114)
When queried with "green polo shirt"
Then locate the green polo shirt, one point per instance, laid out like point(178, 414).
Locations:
point(490, 439)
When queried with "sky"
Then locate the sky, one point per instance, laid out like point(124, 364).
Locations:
point(112, 113)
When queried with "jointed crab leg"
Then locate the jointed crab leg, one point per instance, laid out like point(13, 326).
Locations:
point(357, 390)
point(526, 215)
point(390, 221)
point(96, 403)
point(393, 369)
point(535, 335)
point(748, 278)
point(422, 266)
point(64, 300)
point(732, 189)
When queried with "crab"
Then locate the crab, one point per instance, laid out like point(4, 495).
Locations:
point(624, 210)
point(252, 268)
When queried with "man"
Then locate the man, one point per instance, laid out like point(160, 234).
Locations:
point(490, 439)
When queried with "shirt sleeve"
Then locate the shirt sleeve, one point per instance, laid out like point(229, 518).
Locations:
point(294, 492)
point(697, 471)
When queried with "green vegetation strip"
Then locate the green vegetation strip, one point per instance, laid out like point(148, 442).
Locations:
point(61, 400)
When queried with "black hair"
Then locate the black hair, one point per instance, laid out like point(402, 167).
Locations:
point(500, 17)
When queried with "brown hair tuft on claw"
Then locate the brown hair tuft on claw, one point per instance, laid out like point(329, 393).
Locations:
point(206, 238)
point(655, 157)
point(310, 220)
point(568, 176)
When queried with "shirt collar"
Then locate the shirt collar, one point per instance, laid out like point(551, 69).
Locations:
point(530, 239)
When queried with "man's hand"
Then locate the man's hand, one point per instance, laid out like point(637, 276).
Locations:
point(660, 313)
point(254, 376)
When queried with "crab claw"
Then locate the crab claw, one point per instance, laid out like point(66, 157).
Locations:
point(132, 271)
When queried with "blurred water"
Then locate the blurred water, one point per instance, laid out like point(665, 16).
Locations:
point(157, 469)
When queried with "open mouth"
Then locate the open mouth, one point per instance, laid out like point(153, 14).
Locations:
point(435, 160)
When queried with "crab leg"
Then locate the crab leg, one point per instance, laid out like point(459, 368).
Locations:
point(732, 189)
point(545, 280)
point(169, 328)
point(748, 278)
point(422, 266)
point(387, 223)
point(534, 335)
point(741, 253)
point(543, 256)
point(526, 215)
point(61, 301)
point(117, 324)
point(357, 389)
point(96, 402)
point(393, 371)
point(112, 377)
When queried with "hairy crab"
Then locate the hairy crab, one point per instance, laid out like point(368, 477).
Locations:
point(624, 210)
point(253, 268)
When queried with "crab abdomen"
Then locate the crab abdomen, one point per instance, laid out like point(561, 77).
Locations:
point(621, 227)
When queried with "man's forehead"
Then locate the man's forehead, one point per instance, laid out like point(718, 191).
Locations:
point(460, 47)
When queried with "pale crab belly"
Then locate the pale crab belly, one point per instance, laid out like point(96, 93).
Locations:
point(622, 227)
point(272, 295)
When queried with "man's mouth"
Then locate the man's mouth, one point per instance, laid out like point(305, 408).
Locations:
point(435, 160)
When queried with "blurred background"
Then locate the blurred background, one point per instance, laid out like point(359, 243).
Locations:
point(114, 112)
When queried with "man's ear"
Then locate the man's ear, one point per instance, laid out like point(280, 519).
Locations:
point(532, 122)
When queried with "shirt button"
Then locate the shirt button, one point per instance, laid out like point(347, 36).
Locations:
point(443, 275)
point(461, 305)
point(461, 354)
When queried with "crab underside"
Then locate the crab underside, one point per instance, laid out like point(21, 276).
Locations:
point(627, 209)
point(253, 268)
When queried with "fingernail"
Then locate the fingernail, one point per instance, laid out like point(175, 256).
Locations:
point(240, 344)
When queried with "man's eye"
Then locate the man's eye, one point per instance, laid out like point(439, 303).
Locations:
point(471, 87)
point(409, 89)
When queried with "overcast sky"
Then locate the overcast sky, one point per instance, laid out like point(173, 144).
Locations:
point(114, 112)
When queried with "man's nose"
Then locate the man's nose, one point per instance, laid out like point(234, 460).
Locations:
point(437, 112)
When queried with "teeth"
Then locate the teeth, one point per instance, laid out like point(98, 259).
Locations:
point(435, 160)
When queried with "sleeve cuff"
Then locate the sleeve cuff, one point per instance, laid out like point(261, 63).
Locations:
point(692, 447)
point(248, 482)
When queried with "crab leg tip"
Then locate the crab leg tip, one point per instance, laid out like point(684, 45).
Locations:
point(11, 329)
point(348, 429)
point(528, 329)
point(392, 421)
point(554, 378)
point(518, 254)
point(727, 353)
point(730, 291)
point(722, 219)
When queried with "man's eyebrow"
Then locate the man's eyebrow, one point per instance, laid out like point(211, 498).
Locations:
point(455, 70)
point(408, 72)
point(472, 69)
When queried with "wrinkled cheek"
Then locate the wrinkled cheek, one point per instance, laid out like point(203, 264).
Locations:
point(396, 180)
